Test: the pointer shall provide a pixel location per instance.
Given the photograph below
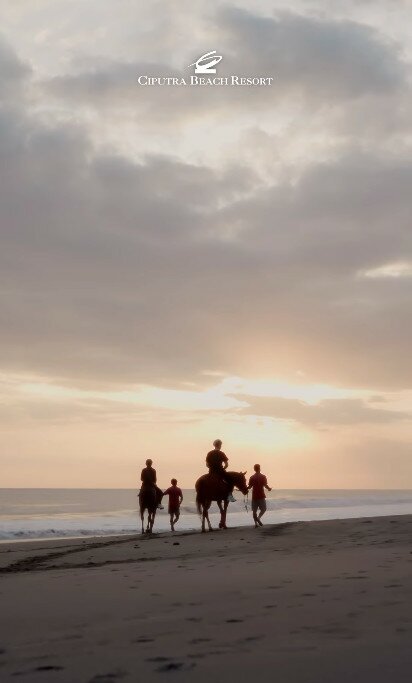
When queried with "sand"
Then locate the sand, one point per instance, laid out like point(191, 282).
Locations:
point(324, 602)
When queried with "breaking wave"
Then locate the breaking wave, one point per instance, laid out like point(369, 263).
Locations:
point(29, 514)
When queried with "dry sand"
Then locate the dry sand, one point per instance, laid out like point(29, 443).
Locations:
point(323, 602)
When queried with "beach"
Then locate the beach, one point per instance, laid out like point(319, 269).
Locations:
point(325, 601)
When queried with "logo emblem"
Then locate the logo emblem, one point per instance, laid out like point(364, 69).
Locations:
point(205, 63)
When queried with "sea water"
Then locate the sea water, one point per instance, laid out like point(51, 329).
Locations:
point(58, 513)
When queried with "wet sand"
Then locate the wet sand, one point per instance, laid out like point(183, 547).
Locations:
point(324, 602)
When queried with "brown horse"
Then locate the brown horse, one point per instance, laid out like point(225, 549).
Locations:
point(148, 501)
point(211, 487)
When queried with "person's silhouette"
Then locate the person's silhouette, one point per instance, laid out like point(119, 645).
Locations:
point(175, 500)
point(217, 462)
point(258, 483)
point(148, 478)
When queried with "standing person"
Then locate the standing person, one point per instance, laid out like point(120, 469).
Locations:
point(217, 462)
point(175, 500)
point(258, 483)
point(148, 478)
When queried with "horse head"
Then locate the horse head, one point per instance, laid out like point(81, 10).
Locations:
point(239, 480)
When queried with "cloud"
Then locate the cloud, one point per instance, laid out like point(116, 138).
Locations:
point(325, 59)
point(126, 272)
point(318, 61)
point(13, 71)
point(327, 413)
point(400, 269)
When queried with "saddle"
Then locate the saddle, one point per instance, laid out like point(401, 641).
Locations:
point(219, 477)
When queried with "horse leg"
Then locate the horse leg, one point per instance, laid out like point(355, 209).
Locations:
point(152, 521)
point(225, 506)
point(207, 516)
point(203, 519)
point(221, 523)
point(142, 519)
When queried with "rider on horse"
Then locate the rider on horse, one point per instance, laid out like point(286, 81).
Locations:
point(149, 478)
point(217, 462)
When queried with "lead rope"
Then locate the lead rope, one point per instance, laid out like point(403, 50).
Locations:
point(246, 501)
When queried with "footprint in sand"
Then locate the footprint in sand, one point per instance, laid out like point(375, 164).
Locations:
point(175, 666)
point(298, 648)
point(356, 577)
point(195, 641)
point(170, 664)
point(159, 658)
point(392, 603)
point(108, 678)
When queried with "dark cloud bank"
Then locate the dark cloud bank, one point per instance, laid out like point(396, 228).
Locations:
point(119, 272)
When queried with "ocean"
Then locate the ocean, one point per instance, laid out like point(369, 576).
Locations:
point(59, 513)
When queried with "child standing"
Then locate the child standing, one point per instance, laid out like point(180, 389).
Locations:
point(175, 500)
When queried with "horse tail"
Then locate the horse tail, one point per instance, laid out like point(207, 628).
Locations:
point(198, 505)
point(198, 496)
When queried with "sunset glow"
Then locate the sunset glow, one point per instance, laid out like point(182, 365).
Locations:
point(180, 263)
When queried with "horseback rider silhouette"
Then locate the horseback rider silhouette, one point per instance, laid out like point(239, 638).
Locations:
point(217, 462)
point(149, 478)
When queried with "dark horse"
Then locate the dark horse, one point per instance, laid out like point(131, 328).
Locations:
point(148, 501)
point(211, 487)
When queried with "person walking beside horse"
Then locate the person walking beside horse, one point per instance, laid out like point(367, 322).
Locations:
point(175, 500)
point(258, 483)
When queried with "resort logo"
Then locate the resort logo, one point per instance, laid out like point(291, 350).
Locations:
point(205, 63)
point(205, 67)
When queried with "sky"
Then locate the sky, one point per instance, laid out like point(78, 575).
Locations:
point(180, 264)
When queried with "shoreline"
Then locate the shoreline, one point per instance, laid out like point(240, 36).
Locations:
point(194, 529)
point(311, 601)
